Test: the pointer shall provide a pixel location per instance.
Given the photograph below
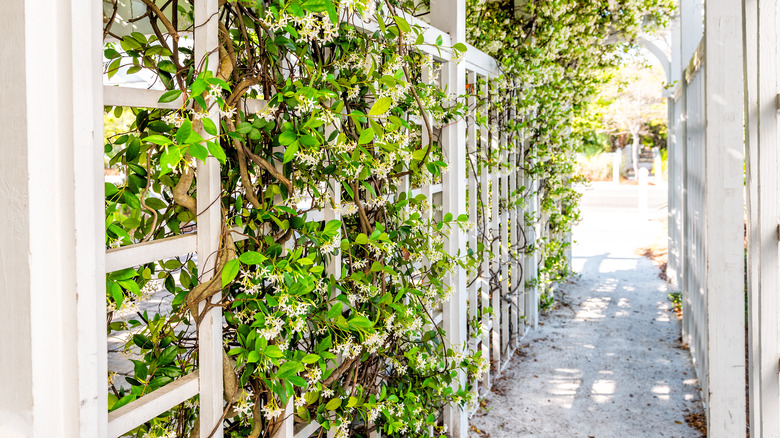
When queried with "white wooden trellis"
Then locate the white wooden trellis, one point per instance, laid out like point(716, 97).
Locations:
point(207, 380)
point(79, 97)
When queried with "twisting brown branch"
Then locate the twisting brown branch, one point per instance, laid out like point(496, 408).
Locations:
point(171, 30)
point(249, 188)
point(144, 193)
point(260, 161)
point(181, 190)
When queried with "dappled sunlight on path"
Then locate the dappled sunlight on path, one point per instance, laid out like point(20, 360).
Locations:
point(607, 362)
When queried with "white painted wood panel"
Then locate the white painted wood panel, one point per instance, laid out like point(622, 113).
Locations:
point(152, 251)
point(149, 406)
point(724, 199)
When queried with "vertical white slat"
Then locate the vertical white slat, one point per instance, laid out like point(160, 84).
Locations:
point(52, 351)
point(209, 228)
point(425, 190)
point(89, 220)
point(450, 16)
point(472, 203)
point(333, 268)
point(724, 202)
point(484, 224)
point(504, 229)
point(761, 41)
point(514, 284)
point(754, 207)
point(532, 256)
point(495, 213)
point(287, 428)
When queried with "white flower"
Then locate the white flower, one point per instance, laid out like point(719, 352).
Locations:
point(267, 113)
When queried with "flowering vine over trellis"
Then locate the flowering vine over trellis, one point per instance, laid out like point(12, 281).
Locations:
point(314, 112)
point(340, 124)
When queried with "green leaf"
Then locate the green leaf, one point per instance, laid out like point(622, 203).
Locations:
point(168, 355)
point(331, 227)
point(353, 401)
point(252, 258)
point(367, 136)
point(209, 126)
point(361, 321)
point(131, 200)
point(216, 151)
point(253, 357)
point(111, 190)
point(460, 47)
point(169, 159)
point(184, 132)
point(290, 152)
point(402, 24)
point(243, 128)
point(155, 203)
point(361, 239)
point(131, 286)
point(381, 106)
point(169, 67)
point(273, 351)
point(317, 5)
point(289, 368)
point(297, 381)
point(133, 148)
point(310, 358)
point(229, 272)
point(158, 139)
point(170, 96)
point(199, 152)
point(333, 404)
point(287, 137)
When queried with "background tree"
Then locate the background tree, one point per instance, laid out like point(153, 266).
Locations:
point(631, 103)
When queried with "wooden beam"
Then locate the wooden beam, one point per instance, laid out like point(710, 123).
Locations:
point(761, 89)
point(723, 219)
point(149, 406)
point(147, 252)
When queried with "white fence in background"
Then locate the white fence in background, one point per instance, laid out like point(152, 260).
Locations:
point(706, 204)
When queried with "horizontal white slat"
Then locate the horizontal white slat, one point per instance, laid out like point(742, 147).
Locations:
point(143, 98)
point(147, 407)
point(480, 62)
point(141, 253)
point(137, 98)
point(430, 34)
point(435, 188)
point(307, 430)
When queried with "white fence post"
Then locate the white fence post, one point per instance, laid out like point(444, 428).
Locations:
point(723, 219)
point(642, 198)
point(484, 193)
point(616, 161)
point(450, 16)
point(209, 230)
point(760, 44)
point(52, 349)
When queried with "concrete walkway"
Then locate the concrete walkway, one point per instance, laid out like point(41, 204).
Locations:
point(607, 362)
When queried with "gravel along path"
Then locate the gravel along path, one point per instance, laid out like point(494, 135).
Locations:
point(607, 361)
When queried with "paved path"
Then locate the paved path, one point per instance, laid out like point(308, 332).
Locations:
point(607, 362)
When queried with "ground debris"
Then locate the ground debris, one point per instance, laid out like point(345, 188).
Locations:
point(698, 421)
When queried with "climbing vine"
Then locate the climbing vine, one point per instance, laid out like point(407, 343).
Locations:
point(339, 125)
point(559, 52)
point(315, 112)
